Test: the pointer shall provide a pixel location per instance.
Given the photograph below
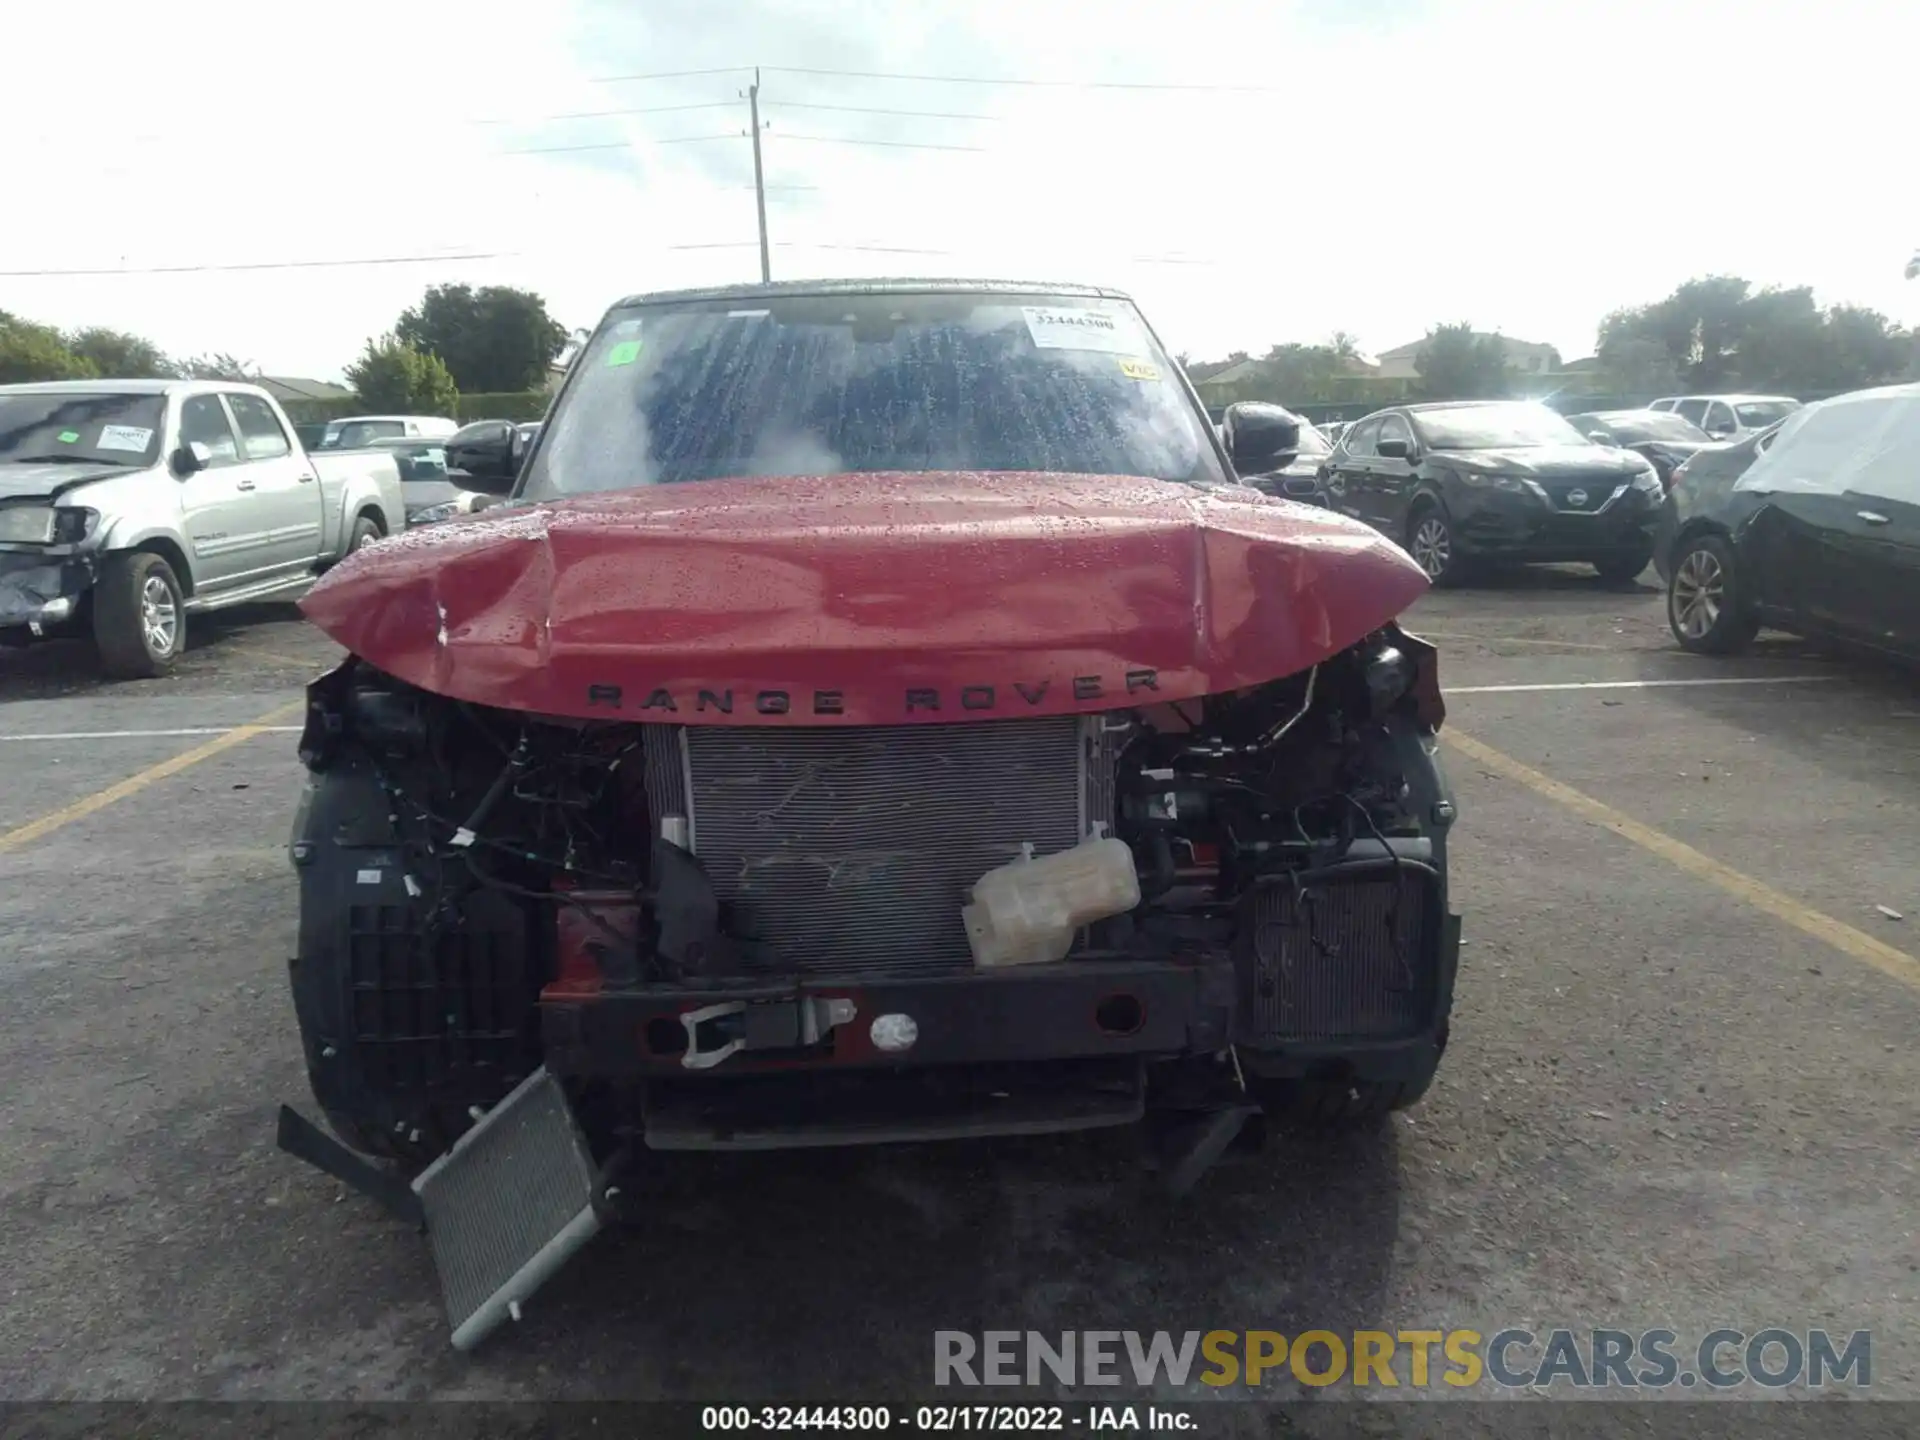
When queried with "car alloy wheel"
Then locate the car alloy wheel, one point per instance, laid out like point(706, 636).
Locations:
point(1699, 593)
point(1432, 546)
point(159, 616)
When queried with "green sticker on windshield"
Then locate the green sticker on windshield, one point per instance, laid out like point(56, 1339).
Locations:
point(625, 353)
point(69, 437)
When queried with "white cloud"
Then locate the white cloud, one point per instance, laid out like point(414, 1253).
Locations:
point(1523, 166)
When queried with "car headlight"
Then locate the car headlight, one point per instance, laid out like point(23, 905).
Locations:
point(1649, 481)
point(27, 524)
point(1481, 480)
point(433, 513)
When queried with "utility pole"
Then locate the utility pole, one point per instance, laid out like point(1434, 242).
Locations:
point(759, 177)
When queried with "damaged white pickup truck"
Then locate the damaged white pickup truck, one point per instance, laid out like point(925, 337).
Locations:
point(126, 505)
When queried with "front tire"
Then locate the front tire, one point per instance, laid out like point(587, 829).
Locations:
point(139, 616)
point(1707, 608)
point(365, 532)
point(1431, 543)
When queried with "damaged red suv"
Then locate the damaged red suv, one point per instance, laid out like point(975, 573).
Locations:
point(876, 713)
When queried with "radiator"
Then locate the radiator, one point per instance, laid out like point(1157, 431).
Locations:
point(851, 849)
point(1352, 957)
point(507, 1206)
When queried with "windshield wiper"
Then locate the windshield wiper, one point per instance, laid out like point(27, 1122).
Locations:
point(64, 458)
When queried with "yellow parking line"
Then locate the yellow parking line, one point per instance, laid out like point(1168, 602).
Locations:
point(1804, 918)
point(134, 784)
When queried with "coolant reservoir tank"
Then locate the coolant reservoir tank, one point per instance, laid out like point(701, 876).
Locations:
point(1026, 912)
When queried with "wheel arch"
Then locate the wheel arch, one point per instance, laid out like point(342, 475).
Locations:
point(169, 550)
point(1692, 530)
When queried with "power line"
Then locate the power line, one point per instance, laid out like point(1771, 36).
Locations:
point(871, 249)
point(782, 135)
point(268, 265)
point(625, 144)
point(602, 114)
point(873, 110)
point(165, 137)
point(1034, 84)
point(668, 75)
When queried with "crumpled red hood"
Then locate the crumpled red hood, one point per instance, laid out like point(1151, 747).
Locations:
point(866, 598)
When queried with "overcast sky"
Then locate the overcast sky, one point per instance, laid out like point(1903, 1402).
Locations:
point(1369, 165)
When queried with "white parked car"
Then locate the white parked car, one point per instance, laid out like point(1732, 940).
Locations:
point(1730, 417)
point(351, 432)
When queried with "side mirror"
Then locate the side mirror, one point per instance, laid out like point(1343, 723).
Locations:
point(190, 459)
point(1393, 449)
point(1260, 438)
point(486, 452)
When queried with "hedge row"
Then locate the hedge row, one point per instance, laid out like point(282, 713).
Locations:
point(513, 405)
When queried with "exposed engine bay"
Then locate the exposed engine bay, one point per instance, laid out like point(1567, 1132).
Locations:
point(637, 905)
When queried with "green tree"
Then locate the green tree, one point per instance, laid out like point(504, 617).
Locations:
point(1633, 365)
point(1457, 364)
point(1718, 333)
point(219, 366)
point(1345, 348)
point(119, 355)
point(1301, 372)
point(493, 339)
point(396, 378)
point(31, 352)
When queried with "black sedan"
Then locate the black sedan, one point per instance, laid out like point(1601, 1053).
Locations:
point(1461, 482)
point(1663, 437)
point(1812, 527)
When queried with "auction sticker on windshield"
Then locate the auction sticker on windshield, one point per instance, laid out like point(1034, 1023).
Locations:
point(1099, 330)
point(123, 437)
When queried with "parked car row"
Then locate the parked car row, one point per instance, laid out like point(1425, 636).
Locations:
point(128, 505)
point(1755, 510)
point(1464, 483)
point(1811, 525)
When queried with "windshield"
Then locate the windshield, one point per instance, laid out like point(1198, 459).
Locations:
point(829, 384)
point(99, 429)
point(1649, 425)
point(1494, 427)
point(358, 433)
point(419, 462)
point(1312, 442)
point(1757, 414)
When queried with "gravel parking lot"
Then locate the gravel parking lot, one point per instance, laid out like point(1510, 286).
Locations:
point(1682, 1087)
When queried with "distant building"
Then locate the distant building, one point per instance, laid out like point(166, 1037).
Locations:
point(289, 389)
point(1523, 356)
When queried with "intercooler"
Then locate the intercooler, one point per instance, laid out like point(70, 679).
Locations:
point(1344, 955)
point(852, 849)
